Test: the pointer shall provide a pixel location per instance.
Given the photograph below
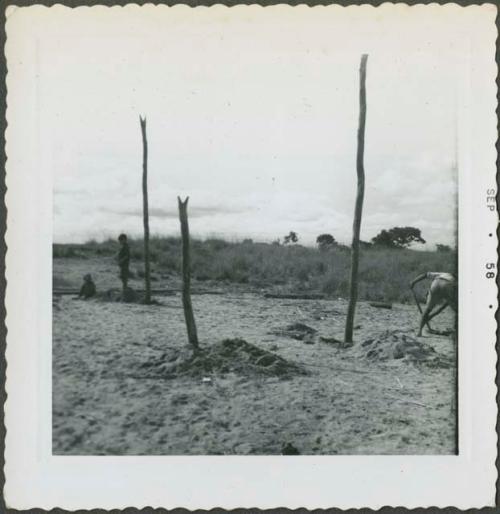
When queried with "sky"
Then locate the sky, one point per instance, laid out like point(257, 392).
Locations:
point(251, 112)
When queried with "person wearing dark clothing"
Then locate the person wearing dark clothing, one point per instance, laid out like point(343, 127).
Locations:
point(88, 288)
point(124, 260)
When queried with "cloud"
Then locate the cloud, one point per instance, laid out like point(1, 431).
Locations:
point(194, 212)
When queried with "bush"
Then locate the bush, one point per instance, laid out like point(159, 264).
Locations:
point(170, 262)
point(330, 286)
point(67, 252)
point(325, 241)
point(292, 237)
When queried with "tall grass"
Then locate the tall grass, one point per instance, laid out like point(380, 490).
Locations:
point(384, 274)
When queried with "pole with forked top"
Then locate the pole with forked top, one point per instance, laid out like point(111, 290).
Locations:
point(186, 275)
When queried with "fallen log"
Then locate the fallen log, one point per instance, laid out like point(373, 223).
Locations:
point(201, 291)
point(295, 296)
point(381, 305)
point(165, 292)
point(161, 292)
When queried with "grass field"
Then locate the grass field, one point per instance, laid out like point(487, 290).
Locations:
point(384, 273)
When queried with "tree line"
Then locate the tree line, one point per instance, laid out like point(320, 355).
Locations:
point(396, 238)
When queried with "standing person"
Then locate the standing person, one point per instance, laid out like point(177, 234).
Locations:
point(123, 258)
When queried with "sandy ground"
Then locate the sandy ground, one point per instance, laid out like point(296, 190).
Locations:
point(346, 404)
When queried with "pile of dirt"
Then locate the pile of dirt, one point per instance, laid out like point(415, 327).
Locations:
point(397, 345)
point(228, 356)
point(297, 331)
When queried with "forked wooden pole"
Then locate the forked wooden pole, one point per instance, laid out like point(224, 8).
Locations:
point(186, 275)
point(358, 209)
point(145, 212)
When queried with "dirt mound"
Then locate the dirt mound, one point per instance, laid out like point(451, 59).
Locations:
point(228, 356)
point(297, 331)
point(395, 344)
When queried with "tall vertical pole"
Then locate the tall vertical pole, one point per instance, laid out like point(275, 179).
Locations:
point(358, 209)
point(186, 275)
point(145, 211)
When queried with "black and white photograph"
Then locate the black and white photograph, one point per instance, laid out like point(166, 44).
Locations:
point(210, 294)
point(256, 226)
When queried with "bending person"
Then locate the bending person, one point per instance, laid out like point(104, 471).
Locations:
point(441, 294)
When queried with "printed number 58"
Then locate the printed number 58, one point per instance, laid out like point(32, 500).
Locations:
point(490, 266)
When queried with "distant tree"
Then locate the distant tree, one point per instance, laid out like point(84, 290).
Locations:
point(365, 244)
point(325, 241)
point(292, 237)
point(384, 238)
point(398, 237)
point(443, 248)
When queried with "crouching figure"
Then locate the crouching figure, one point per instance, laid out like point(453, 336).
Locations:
point(88, 288)
point(443, 292)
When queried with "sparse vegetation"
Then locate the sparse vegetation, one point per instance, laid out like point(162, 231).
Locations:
point(443, 248)
point(292, 237)
point(384, 274)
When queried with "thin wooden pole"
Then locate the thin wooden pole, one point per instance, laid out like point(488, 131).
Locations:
point(186, 275)
point(358, 209)
point(145, 211)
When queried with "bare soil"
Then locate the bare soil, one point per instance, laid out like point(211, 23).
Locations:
point(124, 381)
